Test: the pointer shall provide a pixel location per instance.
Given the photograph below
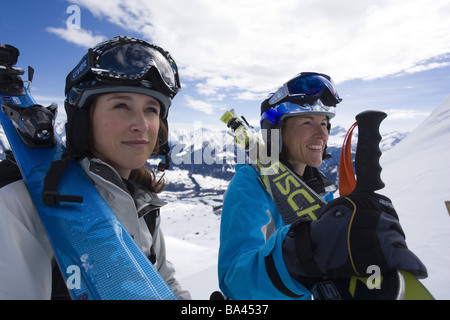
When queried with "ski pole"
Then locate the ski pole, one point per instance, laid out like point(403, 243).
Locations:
point(367, 165)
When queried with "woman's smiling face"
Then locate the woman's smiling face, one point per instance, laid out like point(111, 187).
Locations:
point(125, 129)
point(304, 140)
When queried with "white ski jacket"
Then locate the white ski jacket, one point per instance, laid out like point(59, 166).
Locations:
point(26, 256)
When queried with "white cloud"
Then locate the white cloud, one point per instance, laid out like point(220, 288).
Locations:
point(200, 105)
point(255, 45)
point(403, 114)
point(427, 66)
point(80, 37)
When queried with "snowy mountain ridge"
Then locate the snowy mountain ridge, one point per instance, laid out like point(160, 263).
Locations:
point(212, 153)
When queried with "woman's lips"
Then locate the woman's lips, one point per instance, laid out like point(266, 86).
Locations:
point(136, 143)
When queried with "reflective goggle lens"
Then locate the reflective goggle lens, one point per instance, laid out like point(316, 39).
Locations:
point(309, 85)
point(134, 60)
point(304, 87)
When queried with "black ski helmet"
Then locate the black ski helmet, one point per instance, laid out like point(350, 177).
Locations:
point(306, 93)
point(121, 64)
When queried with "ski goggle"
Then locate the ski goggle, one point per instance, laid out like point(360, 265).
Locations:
point(288, 109)
point(128, 62)
point(307, 85)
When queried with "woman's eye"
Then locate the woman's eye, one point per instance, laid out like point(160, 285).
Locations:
point(121, 106)
point(153, 110)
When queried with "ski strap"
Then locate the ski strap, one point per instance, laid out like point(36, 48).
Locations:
point(292, 196)
point(50, 194)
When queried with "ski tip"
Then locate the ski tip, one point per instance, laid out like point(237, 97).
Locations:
point(414, 289)
point(227, 117)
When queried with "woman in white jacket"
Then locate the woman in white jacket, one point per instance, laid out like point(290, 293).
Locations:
point(117, 101)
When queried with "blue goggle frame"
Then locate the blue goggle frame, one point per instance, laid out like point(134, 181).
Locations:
point(307, 85)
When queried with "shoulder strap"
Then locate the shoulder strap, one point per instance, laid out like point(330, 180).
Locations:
point(59, 288)
point(292, 196)
point(150, 220)
point(50, 194)
point(9, 170)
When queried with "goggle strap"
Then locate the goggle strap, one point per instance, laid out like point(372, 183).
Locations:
point(82, 69)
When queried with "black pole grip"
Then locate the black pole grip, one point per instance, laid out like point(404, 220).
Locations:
point(367, 158)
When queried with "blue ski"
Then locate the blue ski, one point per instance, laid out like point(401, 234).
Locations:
point(97, 257)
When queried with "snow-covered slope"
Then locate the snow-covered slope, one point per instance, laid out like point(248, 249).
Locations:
point(417, 177)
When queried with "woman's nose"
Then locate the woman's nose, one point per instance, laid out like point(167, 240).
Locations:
point(139, 122)
point(320, 131)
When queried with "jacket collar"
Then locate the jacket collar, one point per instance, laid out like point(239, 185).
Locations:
point(144, 200)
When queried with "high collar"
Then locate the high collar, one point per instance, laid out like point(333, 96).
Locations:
point(145, 200)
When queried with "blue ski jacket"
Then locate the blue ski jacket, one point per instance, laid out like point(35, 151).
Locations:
point(251, 263)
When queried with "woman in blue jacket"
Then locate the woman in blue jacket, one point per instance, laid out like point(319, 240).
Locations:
point(260, 257)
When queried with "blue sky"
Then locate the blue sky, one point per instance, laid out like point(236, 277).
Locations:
point(386, 55)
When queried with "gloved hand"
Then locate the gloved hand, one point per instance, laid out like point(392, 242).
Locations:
point(351, 234)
